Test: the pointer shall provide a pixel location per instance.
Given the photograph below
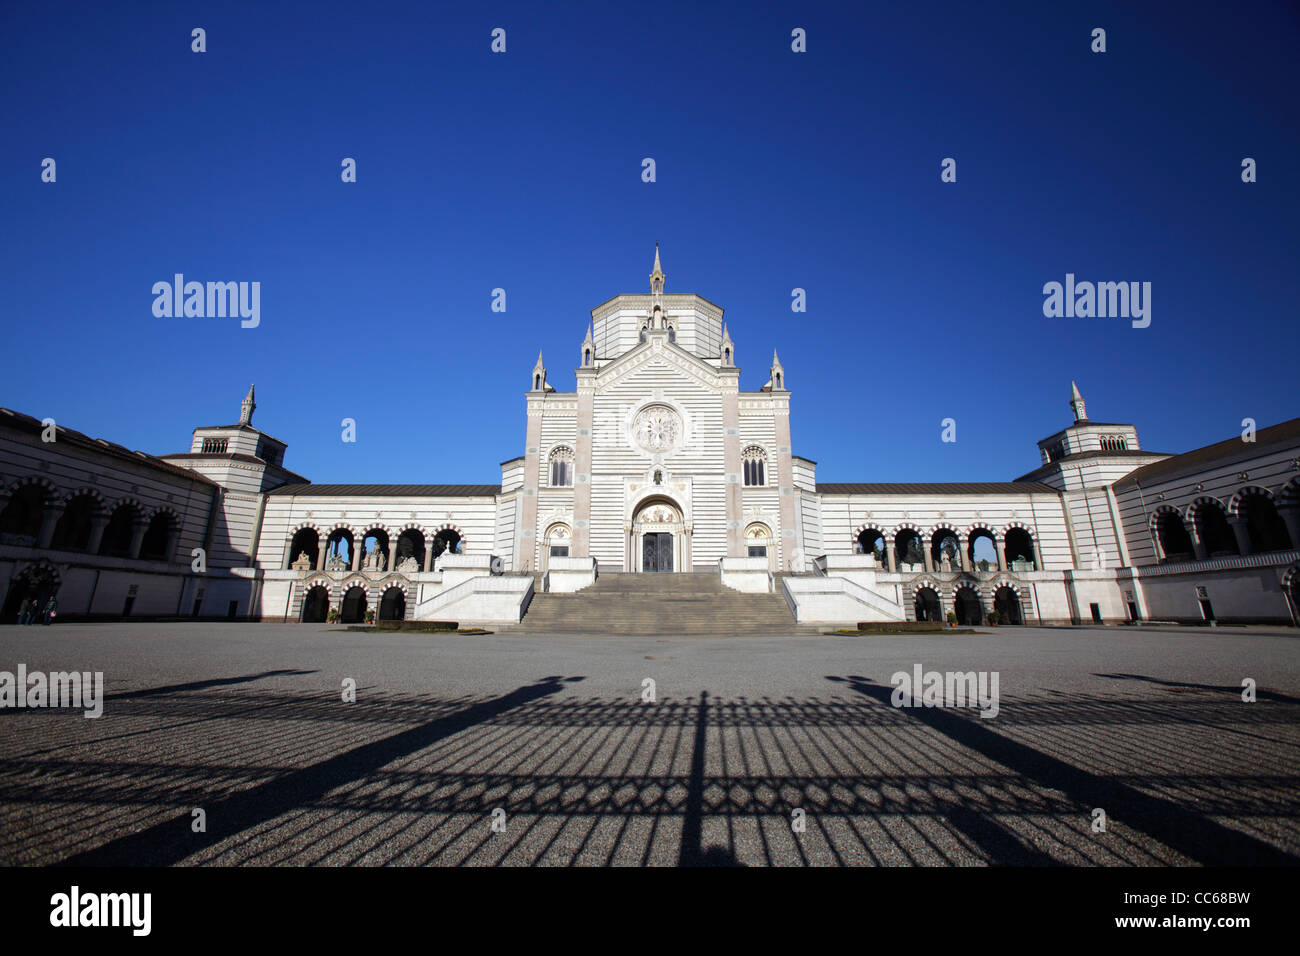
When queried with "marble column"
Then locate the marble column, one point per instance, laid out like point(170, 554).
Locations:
point(138, 528)
point(356, 553)
point(49, 519)
point(1242, 530)
point(1000, 551)
point(98, 523)
point(322, 555)
point(428, 555)
point(392, 554)
point(1291, 517)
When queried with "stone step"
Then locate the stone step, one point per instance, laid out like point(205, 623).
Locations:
point(691, 603)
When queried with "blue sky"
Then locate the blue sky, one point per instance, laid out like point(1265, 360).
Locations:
point(775, 170)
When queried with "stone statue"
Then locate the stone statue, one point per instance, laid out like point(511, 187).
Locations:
point(913, 556)
point(408, 565)
point(336, 563)
point(945, 561)
point(375, 560)
point(303, 563)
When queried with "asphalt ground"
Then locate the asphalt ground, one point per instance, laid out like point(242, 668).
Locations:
point(550, 739)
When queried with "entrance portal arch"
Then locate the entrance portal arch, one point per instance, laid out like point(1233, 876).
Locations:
point(659, 538)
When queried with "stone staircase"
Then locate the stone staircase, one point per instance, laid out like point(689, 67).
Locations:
point(662, 604)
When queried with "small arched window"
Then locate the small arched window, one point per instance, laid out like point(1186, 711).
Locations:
point(672, 334)
point(754, 461)
point(643, 333)
point(586, 357)
point(561, 467)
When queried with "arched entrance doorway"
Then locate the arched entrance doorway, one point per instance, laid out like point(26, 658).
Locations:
point(967, 605)
point(927, 605)
point(556, 544)
point(316, 605)
point(354, 606)
point(38, 581)
point(657, 538)
point(392, 606)
point(1007, 603)
point(759, 543)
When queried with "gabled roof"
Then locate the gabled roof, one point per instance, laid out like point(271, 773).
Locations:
point(937, 488)
point(1227, 450)
point(33, 426)
point(387, 491)
point(1079, 456)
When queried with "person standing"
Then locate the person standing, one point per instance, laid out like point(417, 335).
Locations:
point(51, 608)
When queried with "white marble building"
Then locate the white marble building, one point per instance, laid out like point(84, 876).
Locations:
point(657, 462)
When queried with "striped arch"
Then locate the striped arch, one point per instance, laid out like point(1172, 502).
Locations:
point(1153, 520)
point(1288, 494)
point(408, 526)
point(316, 581)
point(967, 584)
point(303, 526)
point(341, 526)
point(101, 506)
point(41, 564)
point(987, 527)
point(907, 526)
point(1234, 506)
point(165, 510)
point(450, 526)
point(132, 501)
point(377, 526)
point(20, 483)
point(869, 527)
point(1189, 515)
point(922, 583)
point(387, 584)
point(945, 526)
point(1014, 524)
point(997, 584)
point(355, 581)
point(1289, 578)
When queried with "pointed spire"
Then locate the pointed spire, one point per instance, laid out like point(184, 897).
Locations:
point(1077, 405)
point(657, 276)
point(588, 348)
point(539, 374)
point(777, 381)
point(728, 348)
point(247, 407)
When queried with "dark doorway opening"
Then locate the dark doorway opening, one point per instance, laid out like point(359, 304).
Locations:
point(315, 605)
point(657, 551)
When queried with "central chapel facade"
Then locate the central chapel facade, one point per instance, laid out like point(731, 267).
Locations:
point(657, 462)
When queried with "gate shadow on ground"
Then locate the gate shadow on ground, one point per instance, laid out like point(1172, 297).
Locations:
point(291, 779)
point(167, 843)
point(1235, 691)
point(1188, 832)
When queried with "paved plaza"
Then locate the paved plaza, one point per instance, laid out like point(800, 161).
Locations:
point(247, 723)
